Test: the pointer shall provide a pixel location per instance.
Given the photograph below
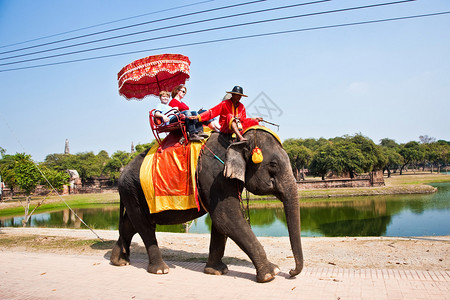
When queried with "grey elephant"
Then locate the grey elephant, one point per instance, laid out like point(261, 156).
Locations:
point(219, 186)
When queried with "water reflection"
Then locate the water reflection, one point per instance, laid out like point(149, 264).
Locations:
point(408, 215)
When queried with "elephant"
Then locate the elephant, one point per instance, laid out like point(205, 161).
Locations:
point(223, 170)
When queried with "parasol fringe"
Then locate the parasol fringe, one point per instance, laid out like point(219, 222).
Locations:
point(149, 75)
point(140, 99)
point(170, 61)
point(137, 79)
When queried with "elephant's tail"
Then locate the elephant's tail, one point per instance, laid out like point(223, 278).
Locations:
point(122, 212)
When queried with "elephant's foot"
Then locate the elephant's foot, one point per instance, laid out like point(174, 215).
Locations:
point(267, 273)
point(219, 269)
point(119, 257)
point(158, 268)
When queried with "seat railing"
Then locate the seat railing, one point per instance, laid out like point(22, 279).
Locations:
point(158, 126)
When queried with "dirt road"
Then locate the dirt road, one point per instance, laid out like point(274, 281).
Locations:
point(39, 263)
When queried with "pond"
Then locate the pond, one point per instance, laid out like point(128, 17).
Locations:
point(393, 215)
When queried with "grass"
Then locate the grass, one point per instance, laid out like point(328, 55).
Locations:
point(44, 243)
point(417, 178)
point(55, 202)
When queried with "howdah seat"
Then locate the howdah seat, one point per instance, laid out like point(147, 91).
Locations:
point(158, 126)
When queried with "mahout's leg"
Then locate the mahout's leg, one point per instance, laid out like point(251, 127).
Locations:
point(120, 255)
point(215, 266)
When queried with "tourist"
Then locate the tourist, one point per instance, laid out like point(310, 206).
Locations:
point(163, 108)
point(178, 94)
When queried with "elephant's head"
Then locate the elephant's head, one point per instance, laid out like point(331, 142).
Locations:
point(273, 175)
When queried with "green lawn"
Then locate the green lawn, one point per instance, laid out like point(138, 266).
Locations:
point(417, 178)
point(59, 202)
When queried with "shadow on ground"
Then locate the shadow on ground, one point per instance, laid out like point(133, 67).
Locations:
point(177, 259)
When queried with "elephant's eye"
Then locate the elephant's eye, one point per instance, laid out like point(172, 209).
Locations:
point(273, 167)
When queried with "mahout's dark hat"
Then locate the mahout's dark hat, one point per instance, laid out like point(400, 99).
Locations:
point(238, 91)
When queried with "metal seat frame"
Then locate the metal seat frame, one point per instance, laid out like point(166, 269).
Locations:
point(157, 125)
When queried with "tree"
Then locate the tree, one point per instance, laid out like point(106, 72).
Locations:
point(86, 163)
point(350, 154)
point(20, 171)
point(142, 147)
point(117, 163)
point(26, 173)
point(2, 151)
point(390, 149)
point(349, 158)
point(443, 153)
point(389, 143)
point(374, 158)
point(425, 139)
point(60, 162)
point(426, 145)
point(303, 159)
point(299, 156)
point(411, 152)
point(102, 160)
point(54, 178)
point(394, 160)
point(7, 164)
point(324, 160)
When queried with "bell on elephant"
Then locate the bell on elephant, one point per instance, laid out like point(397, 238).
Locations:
point(257, 156)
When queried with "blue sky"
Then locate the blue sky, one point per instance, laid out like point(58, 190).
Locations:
point(389, 79)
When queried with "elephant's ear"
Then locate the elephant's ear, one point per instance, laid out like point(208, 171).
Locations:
point(235, 162)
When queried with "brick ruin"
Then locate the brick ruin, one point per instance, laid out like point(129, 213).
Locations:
point(372, 179)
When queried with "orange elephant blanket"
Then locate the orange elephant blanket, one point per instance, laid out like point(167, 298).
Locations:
point(167, 175)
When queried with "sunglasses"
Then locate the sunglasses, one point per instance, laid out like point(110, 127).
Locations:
point(183, 91)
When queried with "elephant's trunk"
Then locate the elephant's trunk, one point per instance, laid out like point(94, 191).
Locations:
point(292, 210)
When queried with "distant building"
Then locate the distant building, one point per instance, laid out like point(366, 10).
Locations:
point(66, 148)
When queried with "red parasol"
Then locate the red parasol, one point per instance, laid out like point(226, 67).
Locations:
point(153, 74)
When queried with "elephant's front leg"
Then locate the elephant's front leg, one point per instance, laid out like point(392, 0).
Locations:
point(229, 220)
point(215, 266)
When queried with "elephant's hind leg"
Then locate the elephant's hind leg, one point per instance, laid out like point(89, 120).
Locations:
point(120, 255)
point(156, 264)
point(215, 266)
point(146, 230)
